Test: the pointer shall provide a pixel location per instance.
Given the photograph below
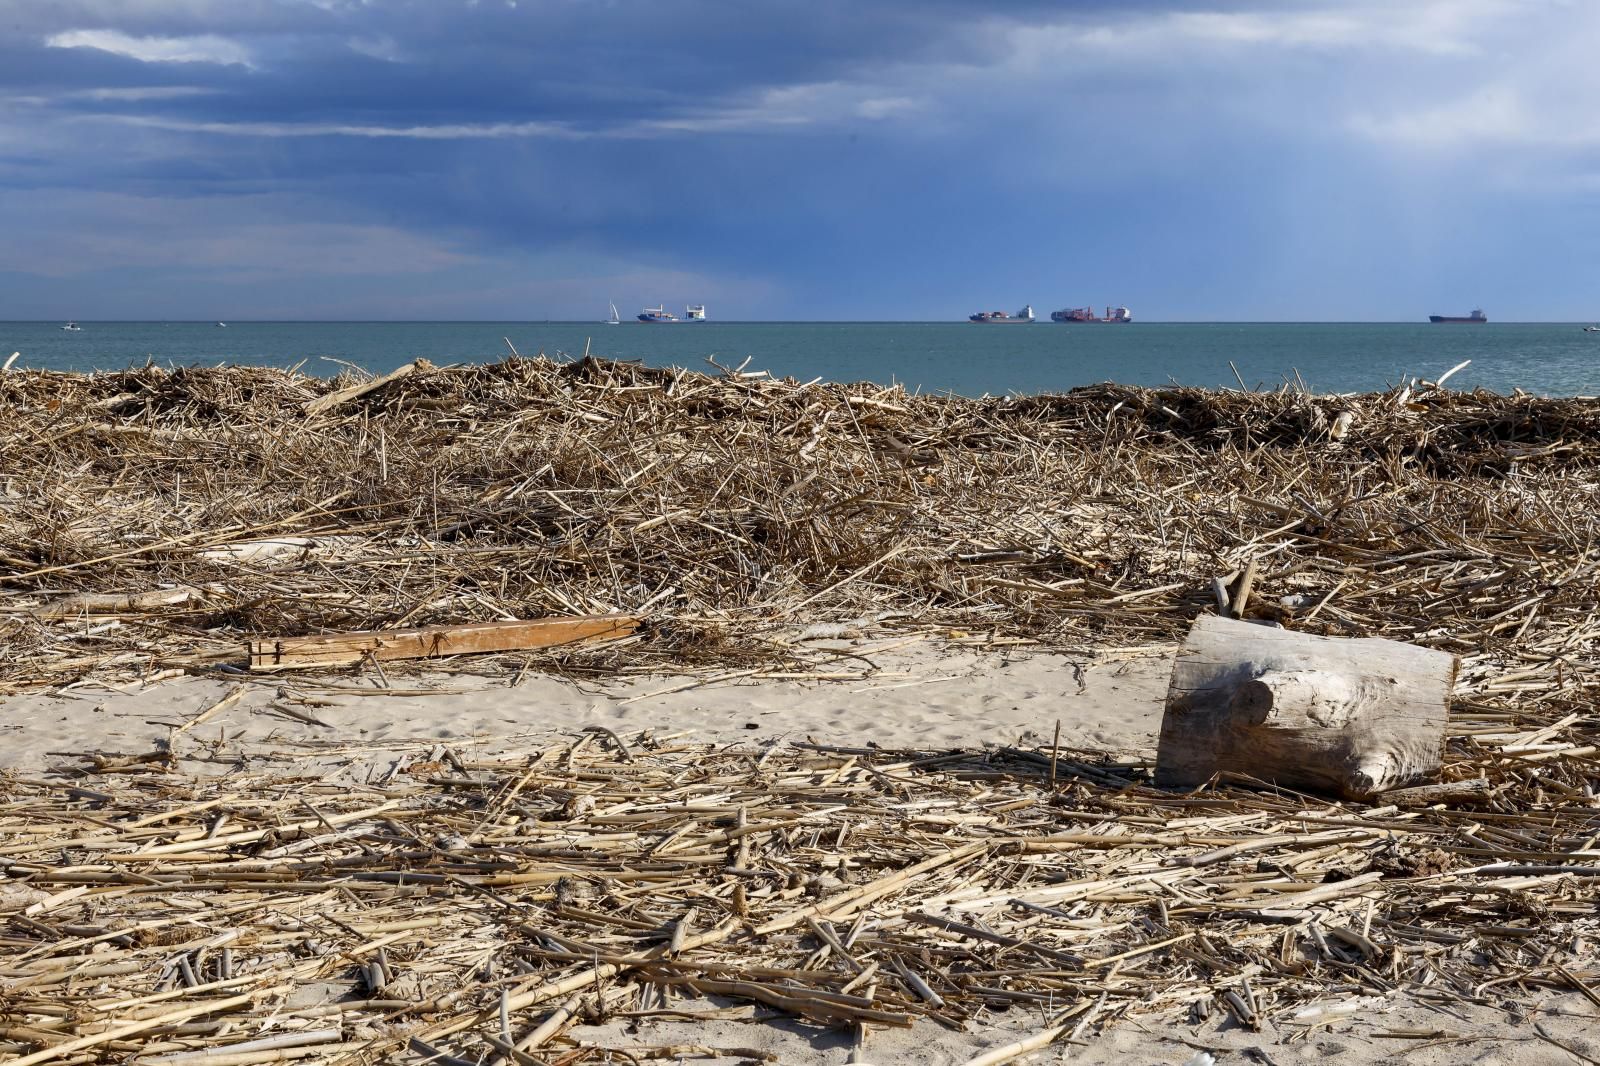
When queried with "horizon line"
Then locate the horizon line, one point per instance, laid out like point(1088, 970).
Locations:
point(789, 321)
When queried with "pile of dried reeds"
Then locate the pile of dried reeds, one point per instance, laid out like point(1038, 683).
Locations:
point(474, 909)
point(152, 519)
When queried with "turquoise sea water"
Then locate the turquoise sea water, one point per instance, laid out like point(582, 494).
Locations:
point(1551, 359)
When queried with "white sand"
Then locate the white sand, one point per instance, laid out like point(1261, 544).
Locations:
point(920, 695)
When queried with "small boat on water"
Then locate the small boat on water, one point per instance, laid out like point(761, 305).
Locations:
point(1003, 317)
point(615, 319)
point(72, 327)
point(1591, 329)
point(222, 325)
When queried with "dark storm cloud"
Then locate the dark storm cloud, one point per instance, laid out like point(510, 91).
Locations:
point(580, 61)
point(479, 115)
point(935, 152)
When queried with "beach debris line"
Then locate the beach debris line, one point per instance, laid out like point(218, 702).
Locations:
point(1340, 715)
point(471, 900)
point(734, 509)
point(737, 513)
point(432, 642)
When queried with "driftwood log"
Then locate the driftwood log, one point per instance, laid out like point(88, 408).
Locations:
point(1350, 717)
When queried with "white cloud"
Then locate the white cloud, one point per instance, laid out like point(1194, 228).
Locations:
point(205, 48)
point(1388, 28)
point(124, 95)
point(1435, 27)
point(140, 94)
point(1484, 116)
point(1427, 73)
point(384, 48)
point(810, 104)
point(885, 106)
point(1535, 90)
point(1494, 116)
point(818, 104)
point(447, 132)
point(1409, 79)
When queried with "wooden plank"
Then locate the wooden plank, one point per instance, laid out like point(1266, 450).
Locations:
point(1350, 717)
point(432, 642)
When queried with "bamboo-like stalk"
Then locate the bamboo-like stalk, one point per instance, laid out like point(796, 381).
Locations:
point(1017, 1049)
point(1226, 865)
point(119, 1032)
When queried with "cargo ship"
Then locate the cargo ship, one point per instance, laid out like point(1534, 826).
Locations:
point(1003, 317)
point(1476, 316)
point(1086, 314)
point(692, 313)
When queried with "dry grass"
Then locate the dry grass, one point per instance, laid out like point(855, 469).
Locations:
point(845, 887)
point(731, 509)
point(458, 902)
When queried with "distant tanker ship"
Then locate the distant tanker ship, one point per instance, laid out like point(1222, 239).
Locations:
point(1003, 317)
point(1086, 314)
point(1476, 316)
point(692, 313)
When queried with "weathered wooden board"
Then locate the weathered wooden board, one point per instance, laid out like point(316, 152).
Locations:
point(432, 642)
point(1331, 714)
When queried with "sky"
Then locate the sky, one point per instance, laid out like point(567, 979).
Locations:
point(1325, 160)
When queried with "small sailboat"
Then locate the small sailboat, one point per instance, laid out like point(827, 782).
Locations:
point(615, 319)
point(72, 327)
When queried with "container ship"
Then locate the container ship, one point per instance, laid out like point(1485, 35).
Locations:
point(1476, 316)
point(1003, 317)
point(692, 313)
point(1086, 314)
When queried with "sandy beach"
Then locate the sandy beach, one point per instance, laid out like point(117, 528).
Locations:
point(924, 696)
point(915, 695)
point(868, 773)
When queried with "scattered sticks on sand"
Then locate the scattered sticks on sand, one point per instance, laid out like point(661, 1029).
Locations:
point(153, 520)
point(479, 908)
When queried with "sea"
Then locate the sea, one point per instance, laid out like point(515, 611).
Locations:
point(1553, 359)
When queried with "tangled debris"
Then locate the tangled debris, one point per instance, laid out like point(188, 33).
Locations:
point(479, 907)
point(152, 520)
